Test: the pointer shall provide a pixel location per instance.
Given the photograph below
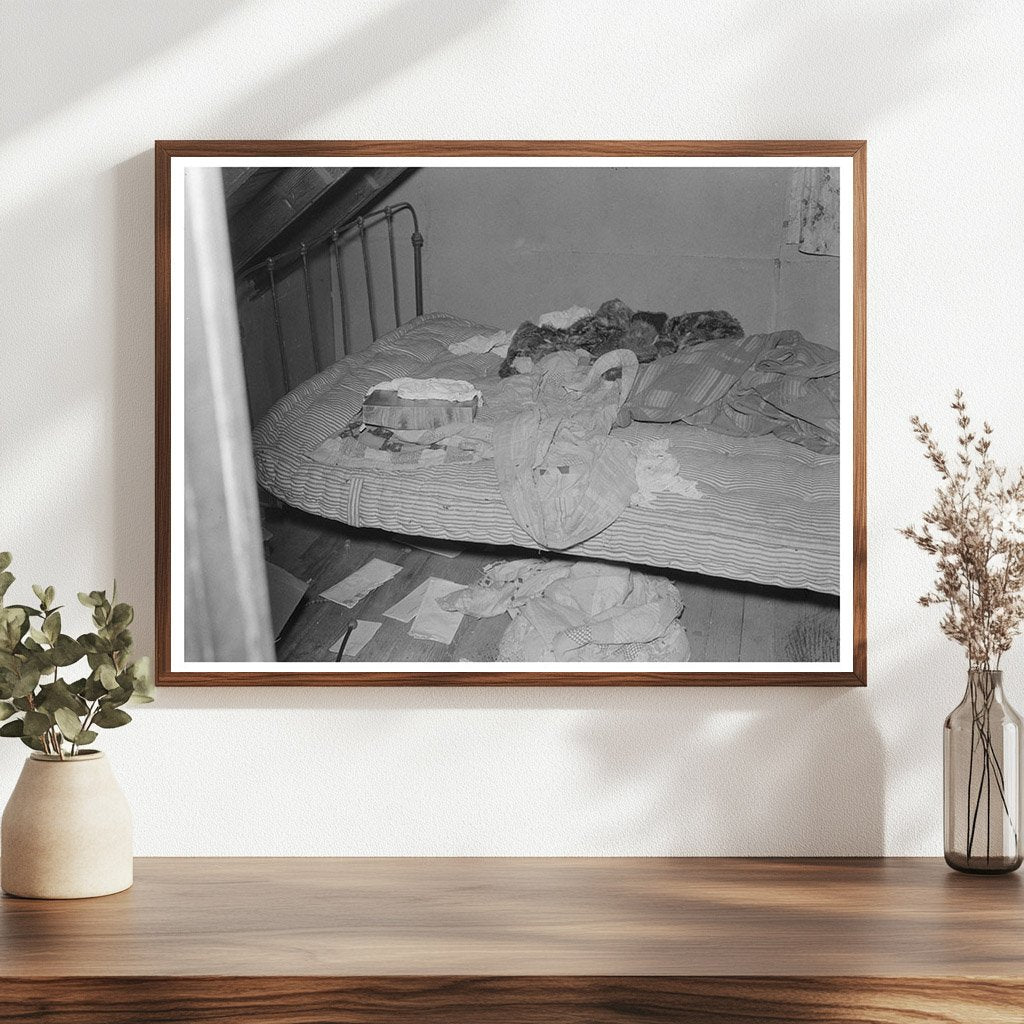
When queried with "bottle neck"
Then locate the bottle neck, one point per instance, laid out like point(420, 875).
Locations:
point(985, 683)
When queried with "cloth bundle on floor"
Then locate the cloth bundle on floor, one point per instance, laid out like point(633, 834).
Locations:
point(579, 612)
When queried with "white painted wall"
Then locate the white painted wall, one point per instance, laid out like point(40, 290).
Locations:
point(937, 88)
point(503, 247)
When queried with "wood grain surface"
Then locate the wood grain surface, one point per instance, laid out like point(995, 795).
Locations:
point(504, 940)
point(511, 1000)
point(165, 151)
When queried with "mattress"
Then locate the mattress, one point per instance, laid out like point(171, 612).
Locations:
point(763, 510)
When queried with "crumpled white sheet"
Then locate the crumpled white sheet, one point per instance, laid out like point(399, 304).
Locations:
point(562, 318)
point(430, 387)
point(657, 472)
point(498, 343)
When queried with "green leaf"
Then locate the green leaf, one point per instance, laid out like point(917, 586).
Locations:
point(94, 689)
point(40, 593)
point(111, 718)
point(97, 647)
point(122, 616)
point(69, 724)
point(59, 695)
point(115, 698)
point(28, 610)
point(5, 560)
point(38, 635)
point(36, 723)
point(66, 651)
point(31, 741)
point(6, 710)
point(144, 690)
point(27, 681)
point(89, 600)
point(6, 579)
point(86, 736)
point(107, 676)
point(14, 728)
point(13, 624)
point(51, 626)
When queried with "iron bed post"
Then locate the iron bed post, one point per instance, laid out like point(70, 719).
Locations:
point(309, 309)
point(361, 225)
point(417, 253)
point(336, 256)
point(389, 213)
point(332, 239)
point(286, 376)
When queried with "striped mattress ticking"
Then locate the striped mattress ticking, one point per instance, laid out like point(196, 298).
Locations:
point(767, 511)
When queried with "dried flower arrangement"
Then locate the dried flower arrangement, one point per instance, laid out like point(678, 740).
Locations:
point(975, 529)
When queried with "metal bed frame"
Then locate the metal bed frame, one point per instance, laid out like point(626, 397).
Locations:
point(285, 259)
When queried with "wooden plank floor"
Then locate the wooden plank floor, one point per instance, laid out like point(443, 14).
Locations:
point(726, 621)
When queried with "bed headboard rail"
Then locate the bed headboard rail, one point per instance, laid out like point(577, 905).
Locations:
point(298, 258)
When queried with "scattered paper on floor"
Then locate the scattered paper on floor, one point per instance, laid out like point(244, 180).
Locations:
point(352, 589)
point(432, 622)
point(406, 609)
point(358, 639)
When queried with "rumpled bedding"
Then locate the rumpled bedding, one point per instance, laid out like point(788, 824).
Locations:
point(756, 508)
point(561, 474)
point(578, 612)
point(778, 383)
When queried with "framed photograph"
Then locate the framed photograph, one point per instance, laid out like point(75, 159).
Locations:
point(493, 413)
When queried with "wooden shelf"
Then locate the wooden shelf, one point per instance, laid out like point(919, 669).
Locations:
point(505, 940)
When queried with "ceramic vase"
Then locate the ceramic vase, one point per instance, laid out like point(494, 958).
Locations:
point(66, 831)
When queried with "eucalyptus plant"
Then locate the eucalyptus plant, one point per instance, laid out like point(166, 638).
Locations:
point(37, 704)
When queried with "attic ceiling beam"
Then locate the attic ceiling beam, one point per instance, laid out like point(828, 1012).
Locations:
point(362, 188)
point(286, 198)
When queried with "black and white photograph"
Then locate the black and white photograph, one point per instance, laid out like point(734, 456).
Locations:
point(485, 414)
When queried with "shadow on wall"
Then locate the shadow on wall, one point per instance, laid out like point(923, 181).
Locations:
point(48, 62)
point(746, 771)
point(131, 413)
point(738, 772)
point(394, 39)
point(871, 36)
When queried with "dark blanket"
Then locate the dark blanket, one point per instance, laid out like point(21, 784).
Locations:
point(616, 326)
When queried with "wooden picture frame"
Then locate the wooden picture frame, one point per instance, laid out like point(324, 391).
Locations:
point(207, 309)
